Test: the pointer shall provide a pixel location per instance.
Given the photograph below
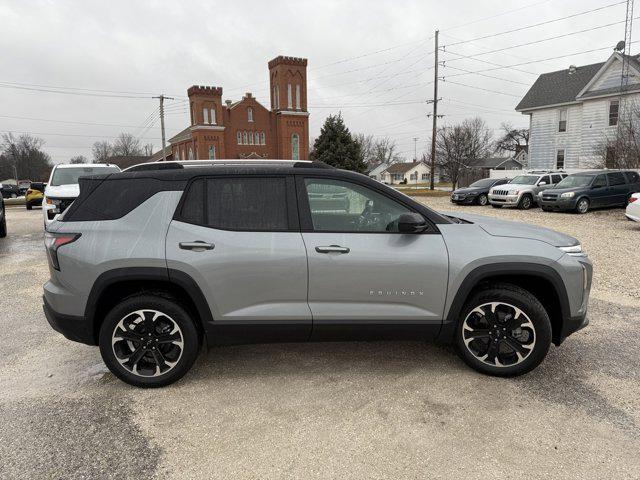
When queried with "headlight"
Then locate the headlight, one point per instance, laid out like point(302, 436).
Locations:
point(540, 194)
point(515, 192)
point(574, 250)
point(568, 194)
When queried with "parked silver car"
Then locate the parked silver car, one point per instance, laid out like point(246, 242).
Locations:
point(153, 262)
point(522, 191)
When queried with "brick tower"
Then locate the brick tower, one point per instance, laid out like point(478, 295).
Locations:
point(207, 122)
point(288, 89)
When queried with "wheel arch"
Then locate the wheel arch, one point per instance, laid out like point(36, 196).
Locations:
point(542, 281)
point(114, 285)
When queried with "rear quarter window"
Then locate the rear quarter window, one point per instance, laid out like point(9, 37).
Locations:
point(633, 177)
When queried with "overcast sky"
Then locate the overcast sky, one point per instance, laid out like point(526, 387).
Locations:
point(93, 48)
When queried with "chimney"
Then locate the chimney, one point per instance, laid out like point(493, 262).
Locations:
point(228, 102)
point(572, 69)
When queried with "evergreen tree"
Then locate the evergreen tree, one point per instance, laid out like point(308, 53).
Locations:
point(336, 147)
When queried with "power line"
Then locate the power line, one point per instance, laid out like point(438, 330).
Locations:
point(85, 94)
point(487, 76)
point(483, 89)
point(495, 16)
point(68, 134)
point(506, 32)
point(536, 41)
point(69, 122)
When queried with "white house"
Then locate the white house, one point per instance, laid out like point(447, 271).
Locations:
point(413, 172)
point(572, 112)
point(376, 171)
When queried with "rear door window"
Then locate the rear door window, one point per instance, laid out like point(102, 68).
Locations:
point(600, 181)
point(556, 178)
point(633, 177)
point(616, 178)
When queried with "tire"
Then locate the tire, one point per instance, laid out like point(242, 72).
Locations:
point(496, 206)
point(582, 205)
point(163, 357)
point(3, 226)
point(519, 350)
point(29, 206)
point(482, 200)
point(526, 202)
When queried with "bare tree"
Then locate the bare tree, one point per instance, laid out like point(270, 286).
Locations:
point(462, 146)
point(621, 150)
point(148, 149)
point(23, 157)
point(366, 147)
point(512, 139)
point(101, 152)
point(79, 159)
point(125, 145)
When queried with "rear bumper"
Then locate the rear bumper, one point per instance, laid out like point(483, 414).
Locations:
point(72, 327)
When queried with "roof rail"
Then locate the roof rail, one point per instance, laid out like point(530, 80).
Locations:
point(179, 164)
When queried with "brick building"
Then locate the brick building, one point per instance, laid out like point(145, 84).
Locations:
point(246, 128)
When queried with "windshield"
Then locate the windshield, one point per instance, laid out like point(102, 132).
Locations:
point(525, 179)
point(575, 181)
point(70, 176)
point(485, 182)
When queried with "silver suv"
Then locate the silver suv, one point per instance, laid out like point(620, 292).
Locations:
point(522, 191)
point(152, 263)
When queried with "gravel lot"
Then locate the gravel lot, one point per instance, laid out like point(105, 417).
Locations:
point(331, 410)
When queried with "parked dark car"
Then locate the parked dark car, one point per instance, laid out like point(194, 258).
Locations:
point(476, 193)
point(583, 191)
point(24, 185)
point(3, 219)
point(9, 190)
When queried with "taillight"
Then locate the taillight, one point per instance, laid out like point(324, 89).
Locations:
point(632, 199)
point(53, 241)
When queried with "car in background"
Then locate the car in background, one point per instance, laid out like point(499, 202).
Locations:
point(34, 195)
point(3, 219)
point(24, 185)
point(63, 187)
point(580, 192)
point(477, 193)
point(633, 208)
point(522, 191)
point(9, 190)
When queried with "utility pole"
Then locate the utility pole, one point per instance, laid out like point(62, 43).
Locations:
point(162, 99)
point(435, 116)
point(415, 149)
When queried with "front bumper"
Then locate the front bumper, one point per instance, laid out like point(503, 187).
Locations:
point(504, 200)
point(559, 204)
point(463, 200)
point(72, 327)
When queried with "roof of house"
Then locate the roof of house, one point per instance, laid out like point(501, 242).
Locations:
point(494, 162)
point(156, 157)
point(126, 161)
point(563, 86)
point(183, 135)
point(558, 87)
point(402, 167)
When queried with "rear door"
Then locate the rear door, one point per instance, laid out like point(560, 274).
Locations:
point(618, 188)
point(239, 239)
point(362, 271)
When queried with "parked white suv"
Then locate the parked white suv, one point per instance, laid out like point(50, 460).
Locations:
point(63, 187)
point(522, 191)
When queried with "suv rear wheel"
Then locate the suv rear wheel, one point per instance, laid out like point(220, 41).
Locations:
point(504, 331)
point(148, 341)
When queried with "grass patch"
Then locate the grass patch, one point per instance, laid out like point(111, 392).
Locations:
point(424, 192)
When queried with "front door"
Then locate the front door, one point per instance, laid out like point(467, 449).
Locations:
point(238, 238)
point(365, 276)
point(599, 193)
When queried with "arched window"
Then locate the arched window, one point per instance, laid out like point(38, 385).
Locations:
point(213, 115)
point(262, 139)
point(193, 114)
point(289, 97)
point(190, 153)
point(277, 89)
point(244, 138)
point(256, 136)
point(298, 97)
point(239, 137)
point(205, 115)
point(212, 152)
point(295, 147)
point(250, 114)
point(250, 138)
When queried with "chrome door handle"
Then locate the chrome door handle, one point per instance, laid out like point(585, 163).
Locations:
point(333, 249)
point(197, 246)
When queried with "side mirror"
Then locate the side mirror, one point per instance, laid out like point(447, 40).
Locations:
point(411, 223)
point(542, 183)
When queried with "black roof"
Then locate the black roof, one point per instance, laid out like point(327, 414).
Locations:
point(558, 87)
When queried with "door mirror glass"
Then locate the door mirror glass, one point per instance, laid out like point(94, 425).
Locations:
point(542, 183)
point(411, 223)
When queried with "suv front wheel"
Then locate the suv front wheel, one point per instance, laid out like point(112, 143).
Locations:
point(504, 331)
point(526, 202)
point(148, 341)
